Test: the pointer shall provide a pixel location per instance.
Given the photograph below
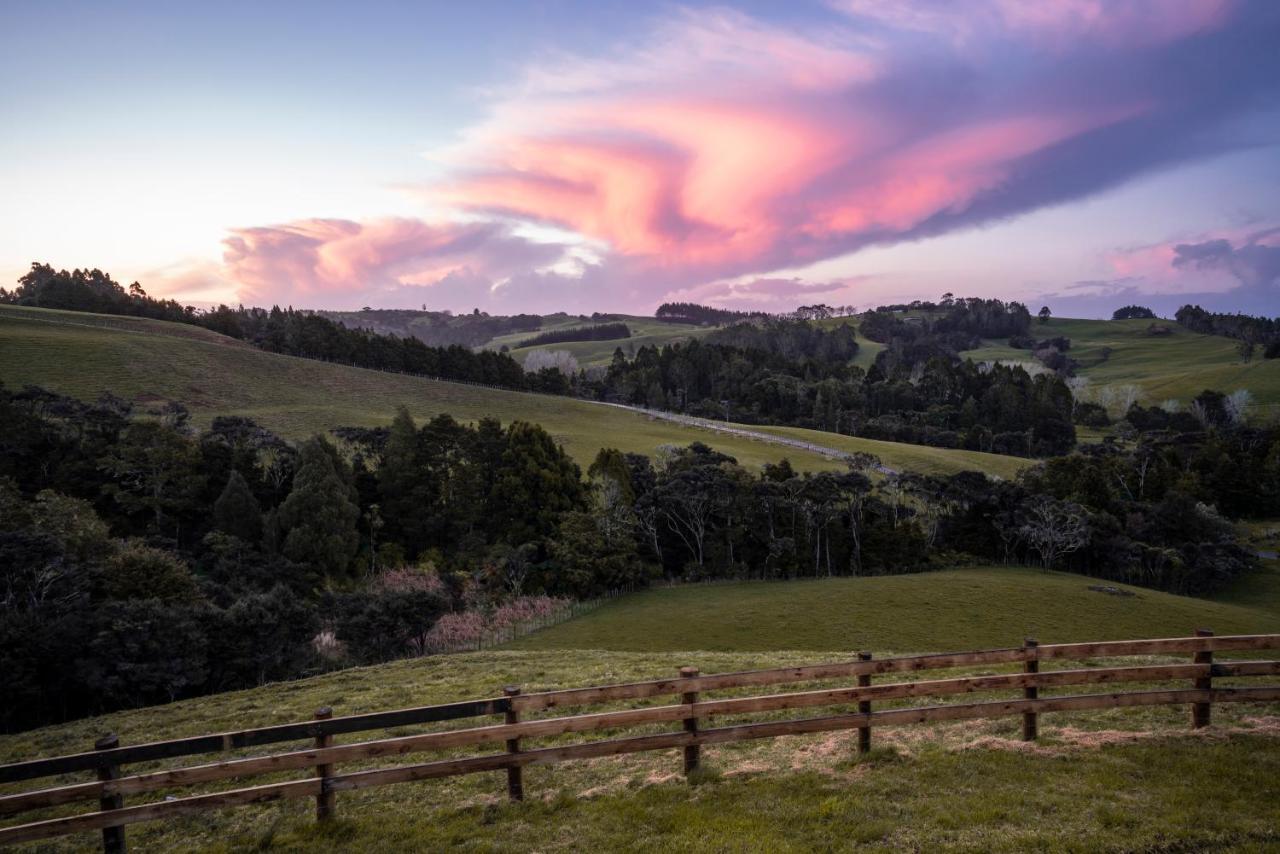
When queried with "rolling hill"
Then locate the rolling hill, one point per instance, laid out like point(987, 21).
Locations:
point(645, 332)
point(1177, 365)
point(148, 361)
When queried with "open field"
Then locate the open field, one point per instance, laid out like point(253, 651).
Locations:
point(1117, 779)
point(1124, 778)
point(85, 355)
point(1179, 365)
point(917, 458)
point(951, 609)
point(645, 332)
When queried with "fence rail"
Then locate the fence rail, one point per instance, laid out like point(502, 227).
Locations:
point(110, 785)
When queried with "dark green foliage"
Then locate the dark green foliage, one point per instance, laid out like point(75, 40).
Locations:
point(318, 519)
point(599, 332)
point(1133, 312)
point(703, 315)
point(143, 651)
point(1262, 331)
point(382, 624)
point(236, 512)
point(138, 571)
point(534, 483)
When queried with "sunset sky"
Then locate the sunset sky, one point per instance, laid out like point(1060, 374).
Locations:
point(595, 156)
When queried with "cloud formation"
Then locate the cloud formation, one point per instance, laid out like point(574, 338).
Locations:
point(326, 263)
point(722, 149)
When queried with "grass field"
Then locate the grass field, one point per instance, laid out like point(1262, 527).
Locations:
point(645, 332)
point(953, 609)
point(144, 360)
point(917, 458)
point(1179, 365)
point(1120, 779)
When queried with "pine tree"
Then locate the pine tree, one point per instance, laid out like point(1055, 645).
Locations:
point(236, 512)
point(318, 520)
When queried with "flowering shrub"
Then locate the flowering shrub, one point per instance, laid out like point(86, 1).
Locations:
point(470, 629)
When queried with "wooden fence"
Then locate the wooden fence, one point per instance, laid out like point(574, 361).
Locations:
point(321, 759)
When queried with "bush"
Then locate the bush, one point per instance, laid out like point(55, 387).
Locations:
point(138, 571)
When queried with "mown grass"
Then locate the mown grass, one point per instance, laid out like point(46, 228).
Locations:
point(1179, 365)
point(952, 609)
point(84, 355)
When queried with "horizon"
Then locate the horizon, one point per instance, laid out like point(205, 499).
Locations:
point(591, 158)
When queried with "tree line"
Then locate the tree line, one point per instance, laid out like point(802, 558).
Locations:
point(144, 560)
point(597, 332)
point(277, 330)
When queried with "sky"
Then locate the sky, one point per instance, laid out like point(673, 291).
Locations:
point(596, 156)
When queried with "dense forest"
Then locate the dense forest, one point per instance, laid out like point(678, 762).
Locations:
point(145, 560)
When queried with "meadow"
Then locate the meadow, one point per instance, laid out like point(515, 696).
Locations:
point(1114, 780)
point(645, 332)
point(964, 608)
point(149, 361)
point(1176, 366)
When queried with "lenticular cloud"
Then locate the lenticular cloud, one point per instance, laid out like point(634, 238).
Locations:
point(722, 147)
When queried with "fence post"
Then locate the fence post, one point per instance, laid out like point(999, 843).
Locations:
point(515, 773)
point(692, 752)
point(1031, 664)
point(112, 837)
point(326, 801)
point(864, 707)
point(1200, 712)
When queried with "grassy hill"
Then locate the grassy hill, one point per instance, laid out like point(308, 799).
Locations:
point(1123, 779)
point(1179, 365)
point(146, 360)
point(954, 609)
point(645, 332)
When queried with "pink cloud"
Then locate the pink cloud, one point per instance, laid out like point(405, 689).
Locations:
point(338, 263)
point(722, 149)
point(1213, 262)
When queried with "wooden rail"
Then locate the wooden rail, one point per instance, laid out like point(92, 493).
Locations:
point(319, 761)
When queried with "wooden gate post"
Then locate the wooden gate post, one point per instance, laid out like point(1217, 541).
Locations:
point(515, 774)
point(864, 707)
point(1200, 712)
point(1031, 664)
point(326, 801)
point(692, 752)
point(112, 837)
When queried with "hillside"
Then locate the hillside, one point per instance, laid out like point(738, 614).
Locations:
point(1178, 365)
point(799, 793)
point(645, 332)
point(144, 360)
point(954, 609)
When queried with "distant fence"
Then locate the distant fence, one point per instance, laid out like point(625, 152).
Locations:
point(692, 709)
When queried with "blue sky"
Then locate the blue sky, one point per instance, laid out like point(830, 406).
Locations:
point(594, 156)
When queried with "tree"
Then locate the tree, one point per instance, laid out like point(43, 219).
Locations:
point(144, 652)
point(155, 470)
point(1045, 314)
point(535, 482)
point(1055, 528)
point(138, 571)
point(236, 512)
point(320, 516)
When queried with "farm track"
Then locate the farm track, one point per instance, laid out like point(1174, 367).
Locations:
point(753, 435)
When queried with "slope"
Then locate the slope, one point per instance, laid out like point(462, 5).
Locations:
point(146, 361)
